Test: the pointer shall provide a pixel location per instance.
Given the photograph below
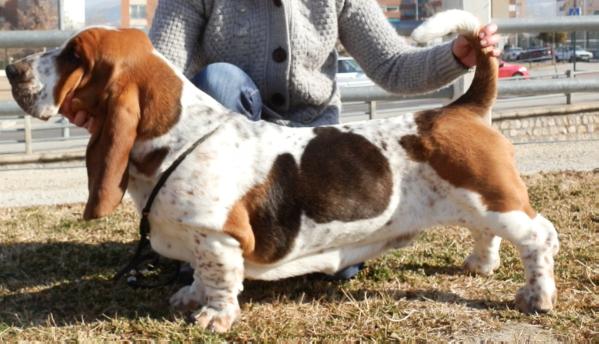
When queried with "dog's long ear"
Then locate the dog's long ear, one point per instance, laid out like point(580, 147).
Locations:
point(108, 151)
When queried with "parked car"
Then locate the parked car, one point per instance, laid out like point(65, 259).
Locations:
point(509, 70)
point(566, 54)
point(512, 54)
point(536, 54)
point(350, 74)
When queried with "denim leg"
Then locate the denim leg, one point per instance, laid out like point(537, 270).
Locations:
point(231, 87)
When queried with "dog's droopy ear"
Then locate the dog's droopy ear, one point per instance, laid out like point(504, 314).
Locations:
point(107, 155)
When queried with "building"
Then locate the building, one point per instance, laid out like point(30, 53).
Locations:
point(587, 7)
point(410, 9)
point(137, 13)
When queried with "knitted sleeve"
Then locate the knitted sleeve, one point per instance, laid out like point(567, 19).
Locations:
point(176, 32)
point(387, 58)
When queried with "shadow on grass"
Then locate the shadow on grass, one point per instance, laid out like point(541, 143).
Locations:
point(72, 282)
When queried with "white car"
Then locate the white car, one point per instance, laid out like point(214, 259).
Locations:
point(512, 54)
point(350, 74)
point(565, 54)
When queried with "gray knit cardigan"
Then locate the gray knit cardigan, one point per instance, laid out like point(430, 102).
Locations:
point(288, 49)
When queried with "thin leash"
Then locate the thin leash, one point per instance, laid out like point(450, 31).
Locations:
point(144, 228)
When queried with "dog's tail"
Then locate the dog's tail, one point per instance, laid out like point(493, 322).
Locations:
point(483, 90)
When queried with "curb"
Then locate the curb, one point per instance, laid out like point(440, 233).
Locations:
point(14, 159)
point(549, 111)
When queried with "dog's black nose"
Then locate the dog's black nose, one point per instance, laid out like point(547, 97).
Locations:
point(12, 71)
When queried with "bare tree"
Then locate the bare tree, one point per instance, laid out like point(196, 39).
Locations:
point(38, 15)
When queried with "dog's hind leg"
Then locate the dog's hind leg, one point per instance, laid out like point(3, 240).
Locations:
point(484, 258)
point(537, 242)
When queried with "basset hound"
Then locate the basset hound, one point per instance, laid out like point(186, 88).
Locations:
point(261, 201)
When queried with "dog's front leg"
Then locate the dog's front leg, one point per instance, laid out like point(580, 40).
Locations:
point(218, 279)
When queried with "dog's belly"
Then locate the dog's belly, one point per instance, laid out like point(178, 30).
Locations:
point(327, 261)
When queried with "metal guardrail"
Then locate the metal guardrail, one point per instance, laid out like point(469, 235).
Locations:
point(515, 25)
point(39, 39)
point(33, 39)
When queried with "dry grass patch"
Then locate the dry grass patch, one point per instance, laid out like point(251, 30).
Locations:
point(55, 284)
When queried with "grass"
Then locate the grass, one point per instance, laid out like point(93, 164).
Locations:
point(55, 285)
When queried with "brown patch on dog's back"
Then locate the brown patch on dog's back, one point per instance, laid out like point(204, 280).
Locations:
point(469, 154)
point(344, 177)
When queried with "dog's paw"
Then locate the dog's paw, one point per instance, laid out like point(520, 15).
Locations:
point(532, 299)
point(188, 298)
point(478, 265)
point(217, 320)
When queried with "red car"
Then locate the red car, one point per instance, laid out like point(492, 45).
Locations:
point(508, 70)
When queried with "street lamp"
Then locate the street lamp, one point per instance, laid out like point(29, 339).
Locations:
point(417, 14)
point(60, 14)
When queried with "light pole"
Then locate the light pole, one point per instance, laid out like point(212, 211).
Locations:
point(60, 15)
point(417, 14)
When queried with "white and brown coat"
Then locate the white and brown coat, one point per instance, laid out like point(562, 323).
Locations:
point(261, 201)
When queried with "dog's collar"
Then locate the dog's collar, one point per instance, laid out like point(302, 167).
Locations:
point(144, 224)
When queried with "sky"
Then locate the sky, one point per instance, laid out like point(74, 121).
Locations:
point(105, 12)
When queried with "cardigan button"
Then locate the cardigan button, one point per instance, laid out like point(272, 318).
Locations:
point(278, 3)
point(279, 55)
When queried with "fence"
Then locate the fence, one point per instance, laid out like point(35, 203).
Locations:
point(370, 95)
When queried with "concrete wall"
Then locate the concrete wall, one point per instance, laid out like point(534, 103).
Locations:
point(574, 122)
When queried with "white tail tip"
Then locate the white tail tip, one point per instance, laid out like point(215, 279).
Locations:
point(444, 23)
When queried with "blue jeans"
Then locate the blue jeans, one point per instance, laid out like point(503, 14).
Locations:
point(234, 89)
point(231, 87)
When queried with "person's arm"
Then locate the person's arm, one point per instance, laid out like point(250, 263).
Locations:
point(176, 32)
point(389, 60)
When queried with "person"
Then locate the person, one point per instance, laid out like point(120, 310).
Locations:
point(276, 60)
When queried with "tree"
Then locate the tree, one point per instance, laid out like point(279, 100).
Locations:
point(553, 37)
point(38, 15)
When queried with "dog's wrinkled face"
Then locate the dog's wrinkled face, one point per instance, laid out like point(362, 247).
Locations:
point(32, 80)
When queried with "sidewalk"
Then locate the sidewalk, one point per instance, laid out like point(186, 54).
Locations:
point(61, 183)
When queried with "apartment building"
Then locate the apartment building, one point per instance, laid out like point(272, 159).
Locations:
point(137, 13)
point(410, 9)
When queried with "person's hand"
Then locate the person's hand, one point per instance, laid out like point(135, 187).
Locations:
point(79, 118)
point(464, 52)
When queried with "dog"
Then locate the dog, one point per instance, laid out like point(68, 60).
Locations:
point(260, 201)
